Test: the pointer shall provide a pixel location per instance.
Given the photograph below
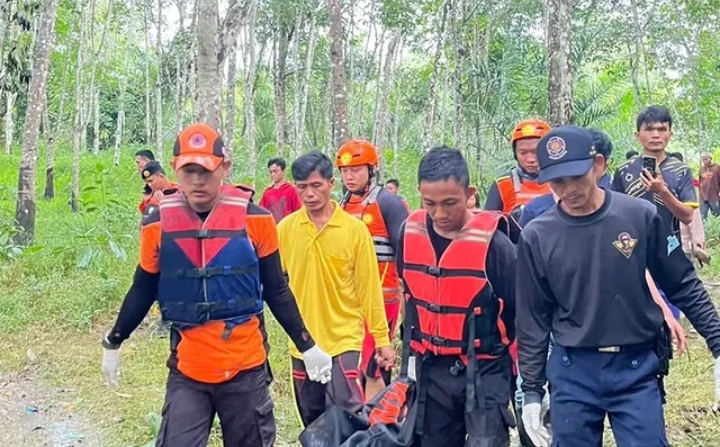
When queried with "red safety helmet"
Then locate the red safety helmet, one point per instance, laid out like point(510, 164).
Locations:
point(357, 153)
point(532, 128)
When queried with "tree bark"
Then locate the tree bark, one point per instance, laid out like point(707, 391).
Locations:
point(49, 152)
point(10, 107)
point(236, 13)
point(249, 93)
point(192, 86)
point(305, 89)
point(146, 32)
point(89, 108)
point(559, 56)
point(121, 107)
point(77, 113)
point(25, 209)
point(229, 134)
point(180, 75)
point(339, 86)
point(458, 43)
point(429, 128)
point(208, 76)
point(641, 59)
point(53, 134)
point(284, 36)
point(96, 120)
point(382, 112)
point(158, 88)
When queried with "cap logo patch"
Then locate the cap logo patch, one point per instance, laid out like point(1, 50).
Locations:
point(198, 141)
point(146, 173)
point(625, 244)
point(528, 130)
point(556, 148)
point(345, 158)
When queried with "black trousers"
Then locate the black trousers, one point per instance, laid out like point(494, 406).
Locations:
point(243, 405)
point(443, 420)
point(344, 390)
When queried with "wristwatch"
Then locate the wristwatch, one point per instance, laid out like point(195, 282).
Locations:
point(107, 345)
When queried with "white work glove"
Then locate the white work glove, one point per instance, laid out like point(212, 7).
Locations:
point(318, 365)
point(532, 421)
point(111, 365)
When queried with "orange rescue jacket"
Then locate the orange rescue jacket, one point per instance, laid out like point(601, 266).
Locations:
point(369, 212)
point(517, 192)
point(450, 299)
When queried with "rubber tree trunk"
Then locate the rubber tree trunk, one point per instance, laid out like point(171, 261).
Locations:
point(337, 73)
point(25, 208)
point(559, 56)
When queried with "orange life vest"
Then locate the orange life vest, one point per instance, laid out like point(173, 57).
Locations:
point(517, 192)
point(369, 212)
point(453, 297)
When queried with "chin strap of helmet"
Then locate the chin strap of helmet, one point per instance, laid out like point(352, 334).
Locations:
point(348, 194)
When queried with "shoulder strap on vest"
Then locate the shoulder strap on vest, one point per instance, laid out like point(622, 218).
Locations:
point(372, 195)
point(231, 196)
point(517, 181)
point(418, 216)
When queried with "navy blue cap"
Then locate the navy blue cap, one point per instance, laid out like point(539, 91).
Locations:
point(151, 169)
point(565, 151)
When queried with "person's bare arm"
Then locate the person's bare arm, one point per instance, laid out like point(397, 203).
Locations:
point(676, 330)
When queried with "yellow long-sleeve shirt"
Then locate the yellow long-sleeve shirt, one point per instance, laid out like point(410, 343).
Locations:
point(333, 274)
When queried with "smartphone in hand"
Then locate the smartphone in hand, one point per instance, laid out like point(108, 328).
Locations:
point(650, 163)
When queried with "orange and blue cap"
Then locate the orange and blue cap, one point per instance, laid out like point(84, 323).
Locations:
point(198, 144)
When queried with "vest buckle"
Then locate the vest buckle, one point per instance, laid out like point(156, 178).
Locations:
point(457, 368)
point(437, 341)
point(203, 233)
point(432, 307)
point(434, 271)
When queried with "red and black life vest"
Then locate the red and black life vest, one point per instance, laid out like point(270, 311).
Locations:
point(208, 270)
point(452, 298)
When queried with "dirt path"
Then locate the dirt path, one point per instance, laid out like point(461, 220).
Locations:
point(35, 415)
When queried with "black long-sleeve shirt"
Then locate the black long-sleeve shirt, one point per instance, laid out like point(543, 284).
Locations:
point(276, 293)
point(583, 278)
point(499, 269)
point(394, 214)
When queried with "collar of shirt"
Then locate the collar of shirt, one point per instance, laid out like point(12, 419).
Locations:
point(335, 219)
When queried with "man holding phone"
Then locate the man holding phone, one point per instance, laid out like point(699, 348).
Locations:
point(665, 181)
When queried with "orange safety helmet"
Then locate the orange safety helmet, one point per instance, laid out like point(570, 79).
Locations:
point(531, 128)
point(357, 153)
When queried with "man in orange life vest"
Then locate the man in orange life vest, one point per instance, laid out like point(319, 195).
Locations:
point(383, 212)
point(211, 258)
point(456, 265)
point(142, 158)
point(510, 192)
point(154, 176)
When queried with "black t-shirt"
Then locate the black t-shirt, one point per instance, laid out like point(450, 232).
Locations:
point(676, 175)
point(583, 278)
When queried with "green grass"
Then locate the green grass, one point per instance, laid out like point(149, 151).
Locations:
point(59, 297)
